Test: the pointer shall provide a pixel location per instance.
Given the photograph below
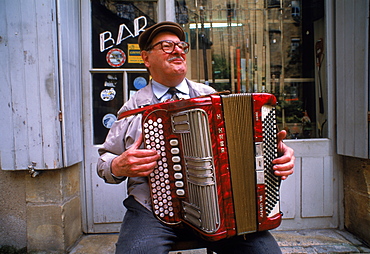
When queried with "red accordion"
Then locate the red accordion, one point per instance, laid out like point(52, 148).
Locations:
point(215, 172)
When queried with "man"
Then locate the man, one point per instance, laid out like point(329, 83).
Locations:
point(164, 53)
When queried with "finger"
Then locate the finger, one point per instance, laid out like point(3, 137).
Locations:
point(142, 153)
point(287, 157)
point(144, 168)
point(144, 157)
point(284, 163)
point(284, 174)
point(281, 135)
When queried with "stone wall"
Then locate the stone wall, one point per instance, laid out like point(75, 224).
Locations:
point(13, 223)
point(356, 182)
point(41, 213)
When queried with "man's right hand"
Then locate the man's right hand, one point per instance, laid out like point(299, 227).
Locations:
point(135, 162)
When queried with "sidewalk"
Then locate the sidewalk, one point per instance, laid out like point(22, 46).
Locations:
point(299, 241)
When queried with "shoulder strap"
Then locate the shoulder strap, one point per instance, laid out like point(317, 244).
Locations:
point(143, 109)
point(133, 112)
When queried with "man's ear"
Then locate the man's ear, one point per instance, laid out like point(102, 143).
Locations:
point(145, 56)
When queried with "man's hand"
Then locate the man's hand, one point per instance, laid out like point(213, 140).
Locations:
point(284, 165)
point(135, 162)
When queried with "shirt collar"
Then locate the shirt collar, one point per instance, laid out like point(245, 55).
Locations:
point(160, 90)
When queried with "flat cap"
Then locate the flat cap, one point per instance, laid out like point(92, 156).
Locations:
point(146, 37)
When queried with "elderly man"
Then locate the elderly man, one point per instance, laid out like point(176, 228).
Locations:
point(163, 49)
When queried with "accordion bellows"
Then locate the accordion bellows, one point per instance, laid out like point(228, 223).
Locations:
point(215, 172)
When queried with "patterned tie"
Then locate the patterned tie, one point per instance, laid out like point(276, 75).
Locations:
point(173, 91)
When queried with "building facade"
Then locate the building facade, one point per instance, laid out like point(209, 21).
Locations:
point(78, 62)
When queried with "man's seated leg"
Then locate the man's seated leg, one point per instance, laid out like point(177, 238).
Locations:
point(254, 243)
point(141, 232)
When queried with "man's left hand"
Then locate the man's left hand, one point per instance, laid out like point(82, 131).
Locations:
point(284, 165)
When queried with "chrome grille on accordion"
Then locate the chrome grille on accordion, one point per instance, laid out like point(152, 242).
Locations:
point(210, 176)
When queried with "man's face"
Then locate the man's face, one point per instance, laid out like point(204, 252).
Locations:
point(165, 68)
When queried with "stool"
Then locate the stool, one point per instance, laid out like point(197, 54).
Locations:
point(187, 245)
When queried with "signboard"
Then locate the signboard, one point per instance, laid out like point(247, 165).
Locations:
point(116, 27)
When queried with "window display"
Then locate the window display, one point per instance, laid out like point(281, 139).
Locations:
point(260, 46)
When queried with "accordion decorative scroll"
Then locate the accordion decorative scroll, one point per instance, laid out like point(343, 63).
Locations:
point(215, 172)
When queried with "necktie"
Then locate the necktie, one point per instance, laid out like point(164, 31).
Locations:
point(173, 91)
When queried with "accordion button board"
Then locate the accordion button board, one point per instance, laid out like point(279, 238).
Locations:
point(215, 171)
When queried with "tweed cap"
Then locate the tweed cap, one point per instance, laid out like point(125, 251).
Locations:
point(146, 37)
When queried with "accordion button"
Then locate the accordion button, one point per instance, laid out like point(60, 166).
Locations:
point(174, 142)
point(180, 192)
point(177, 167)
point(178, 176)
point(176, 159)
point(179, 184)
point(175, 150)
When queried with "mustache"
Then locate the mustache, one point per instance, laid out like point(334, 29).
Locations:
point(176, 58)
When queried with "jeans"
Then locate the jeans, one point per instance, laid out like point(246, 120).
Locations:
point(142, 233)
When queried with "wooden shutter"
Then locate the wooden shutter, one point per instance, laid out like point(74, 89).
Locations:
point(352, 77)
point(40, 120)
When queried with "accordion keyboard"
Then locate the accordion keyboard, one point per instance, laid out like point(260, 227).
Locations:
point(160, 177)
point(272, 182)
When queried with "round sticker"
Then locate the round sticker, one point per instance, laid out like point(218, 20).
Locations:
point(108, 120)
point(108, 94)
point(111, 81)
point(140, 82)
point(116, 57)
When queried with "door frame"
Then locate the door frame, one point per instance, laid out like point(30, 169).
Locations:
point(305, 148)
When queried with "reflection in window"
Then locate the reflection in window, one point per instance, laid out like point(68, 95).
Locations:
point(258, 46)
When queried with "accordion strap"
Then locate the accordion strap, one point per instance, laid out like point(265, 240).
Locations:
point(133, 112)
point(143, 109)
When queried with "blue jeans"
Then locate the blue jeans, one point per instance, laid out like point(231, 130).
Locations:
point(142, 233)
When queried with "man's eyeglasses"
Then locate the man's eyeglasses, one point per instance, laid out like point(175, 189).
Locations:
point(169, 46)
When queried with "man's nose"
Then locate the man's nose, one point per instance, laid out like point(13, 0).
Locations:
point(178, 50)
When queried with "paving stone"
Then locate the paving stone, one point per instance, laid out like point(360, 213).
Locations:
point(95, 244)
point(336, 249)
point(290, 242)
point(297, 250)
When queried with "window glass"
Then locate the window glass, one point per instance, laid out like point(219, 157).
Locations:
point(259, 46)
point(115, 28)
point(117, 68)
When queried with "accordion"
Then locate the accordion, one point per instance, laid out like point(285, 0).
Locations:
point(215, 172)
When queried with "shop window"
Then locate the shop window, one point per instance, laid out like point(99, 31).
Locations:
point(261, 46)
point(117, 68)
